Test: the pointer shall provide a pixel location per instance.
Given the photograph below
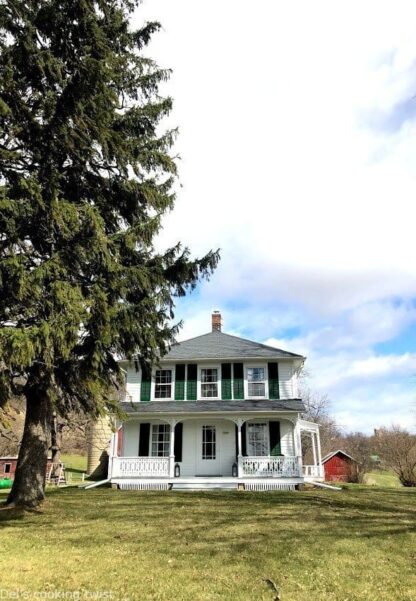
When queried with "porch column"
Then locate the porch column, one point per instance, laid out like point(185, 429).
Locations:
point(172, 449)
point(297, 442)
point(318, 444)
point(313, 438)
point(239, 448)
point(113, 452)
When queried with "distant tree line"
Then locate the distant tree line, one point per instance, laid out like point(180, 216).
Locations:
point(392, 448)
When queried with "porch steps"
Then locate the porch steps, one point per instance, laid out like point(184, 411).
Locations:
point(208, 483)
point(205, 485)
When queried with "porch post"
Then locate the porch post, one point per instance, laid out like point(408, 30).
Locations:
point(172, 449)
point(239, 449)
point(318, 444)
point(113, 451)
point(297, 440)
point(313, 438)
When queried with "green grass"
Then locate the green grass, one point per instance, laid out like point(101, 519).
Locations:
point(75, 466)
point(75, 462)
point(358, 544)
point(382, 478)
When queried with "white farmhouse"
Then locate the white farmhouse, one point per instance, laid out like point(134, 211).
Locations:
point(218, 411)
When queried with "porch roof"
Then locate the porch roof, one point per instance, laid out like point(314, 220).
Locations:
point(219, 406)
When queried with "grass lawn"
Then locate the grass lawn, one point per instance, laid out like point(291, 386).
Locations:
point(75, 466)
point(76, 462)
point(382, 478)
point(314, 545)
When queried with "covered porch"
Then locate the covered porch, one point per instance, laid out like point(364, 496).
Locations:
point(209, 451)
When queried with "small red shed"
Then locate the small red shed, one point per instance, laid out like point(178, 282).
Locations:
point(339, 467)
point(8, 467)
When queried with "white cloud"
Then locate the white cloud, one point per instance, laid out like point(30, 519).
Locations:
point(298, 146)
point(278, 167)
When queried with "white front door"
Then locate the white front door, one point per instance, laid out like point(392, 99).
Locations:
point(208, 450)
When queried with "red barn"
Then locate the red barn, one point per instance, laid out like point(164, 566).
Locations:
point(340, 467)
point(8, 467)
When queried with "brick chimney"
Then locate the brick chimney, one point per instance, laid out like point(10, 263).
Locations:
point(216, 321)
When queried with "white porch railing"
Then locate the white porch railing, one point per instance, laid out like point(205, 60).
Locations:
point(130, 467)
point(283, 467)
point(313, 471)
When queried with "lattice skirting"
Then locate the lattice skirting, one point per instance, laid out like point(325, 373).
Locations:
point(258, 486)
point(144, 485)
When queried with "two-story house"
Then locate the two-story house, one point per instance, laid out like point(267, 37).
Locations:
point(218, 411)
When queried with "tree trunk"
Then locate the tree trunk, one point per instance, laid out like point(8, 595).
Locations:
point(28, 488)
point(55, 446)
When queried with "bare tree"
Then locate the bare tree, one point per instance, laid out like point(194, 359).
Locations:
point(317, 410)
point(397, 449)
point(361, 447)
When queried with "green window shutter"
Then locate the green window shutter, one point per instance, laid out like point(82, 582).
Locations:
point(144, 439)
point(178, 441)
point(145, 386)
point(274, 437)
point(273, 381)
point(191, 382)
point(238, 382)
point(226, 393)
point(180, 383)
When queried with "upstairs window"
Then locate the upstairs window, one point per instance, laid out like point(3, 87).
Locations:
point(209, 383)
point(256, 378)
point(163, 384)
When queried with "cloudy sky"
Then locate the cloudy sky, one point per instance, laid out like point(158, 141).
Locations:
point(298, 159)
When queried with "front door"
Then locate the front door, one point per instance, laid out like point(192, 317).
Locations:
point(208, 450)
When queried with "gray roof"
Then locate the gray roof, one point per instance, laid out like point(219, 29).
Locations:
point(250, 405)
point(330, 455)
point(217, 345)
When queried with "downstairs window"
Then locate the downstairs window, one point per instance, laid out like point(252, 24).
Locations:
point(257, 439)
point(160, 440)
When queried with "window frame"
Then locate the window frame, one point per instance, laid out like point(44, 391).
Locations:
point(7, 465)
point(266, 380)
point(267, 436)
point(212, 443)
point(170, 368)
point(164, 442)
point(200, 383)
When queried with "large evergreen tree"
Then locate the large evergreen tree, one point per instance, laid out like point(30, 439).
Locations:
point(85, 176)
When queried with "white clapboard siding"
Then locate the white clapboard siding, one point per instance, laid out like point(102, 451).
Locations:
point(130, 439)
point(286, 438)
point(188, 463)
point(133, 383)
point(285, 380)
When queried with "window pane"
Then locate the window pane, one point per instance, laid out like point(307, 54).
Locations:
point(257, 440)
point(256, 389)
point(255, 374)
point(163, 384)
point(163, 391)
point(163, 376)
point(209, 383)
point(160, 440)
point(208, 442)
point(209, 375)
point(209, 390)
